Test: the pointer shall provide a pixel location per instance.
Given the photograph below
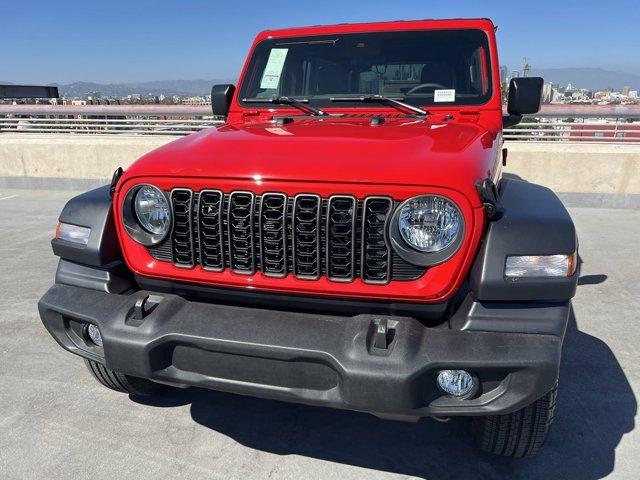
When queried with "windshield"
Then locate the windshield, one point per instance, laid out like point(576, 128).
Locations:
point(435, 67)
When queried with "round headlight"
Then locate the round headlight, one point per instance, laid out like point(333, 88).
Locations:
point(152, 210)
point(429, 223)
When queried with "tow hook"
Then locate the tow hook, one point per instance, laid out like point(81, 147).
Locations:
point(142, 308)
point(382, 333)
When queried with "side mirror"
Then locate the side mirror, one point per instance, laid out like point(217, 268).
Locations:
point(525, 96)
point(221, 96)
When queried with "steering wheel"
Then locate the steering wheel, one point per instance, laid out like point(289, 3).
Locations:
point(422, 86)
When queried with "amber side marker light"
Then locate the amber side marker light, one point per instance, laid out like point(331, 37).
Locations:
point(536, 266)
point(72, 233)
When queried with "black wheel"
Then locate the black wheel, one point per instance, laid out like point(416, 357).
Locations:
point(120, 382)
point(518, 434)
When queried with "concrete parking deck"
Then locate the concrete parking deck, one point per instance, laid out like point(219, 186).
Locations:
point(57, 422)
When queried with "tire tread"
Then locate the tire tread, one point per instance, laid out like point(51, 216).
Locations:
point(121, 382)
point(517, 434)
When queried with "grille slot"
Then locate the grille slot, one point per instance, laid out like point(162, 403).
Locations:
point(376, 264)
point(306, 236)
point(182, 249)
point(341, 238)
point(273, 234)
point(279, 235)
point(240, 224)
point(210, 230)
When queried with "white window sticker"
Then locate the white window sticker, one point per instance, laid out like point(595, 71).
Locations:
point(273, 69)
point(444, 96)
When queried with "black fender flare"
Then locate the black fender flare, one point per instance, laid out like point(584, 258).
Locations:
point(533, 222)
point(93, 210)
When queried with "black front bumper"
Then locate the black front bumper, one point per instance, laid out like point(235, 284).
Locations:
point(319, 359)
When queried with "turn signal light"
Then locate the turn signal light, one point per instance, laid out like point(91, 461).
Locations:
point(72, 233)
point(541, 266)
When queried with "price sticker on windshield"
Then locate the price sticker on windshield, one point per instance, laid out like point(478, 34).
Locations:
point(273, 69)
point(444, 96)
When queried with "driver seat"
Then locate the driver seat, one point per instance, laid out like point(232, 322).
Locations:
point(440, 73)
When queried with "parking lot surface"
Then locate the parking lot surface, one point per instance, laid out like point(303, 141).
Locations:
point(57, 422)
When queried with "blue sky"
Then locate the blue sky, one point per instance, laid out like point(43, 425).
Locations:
point(122, 41)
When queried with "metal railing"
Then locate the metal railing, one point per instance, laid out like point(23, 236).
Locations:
point(107, 125)
point(556, 123)
point(175, 120)
point(582, 130)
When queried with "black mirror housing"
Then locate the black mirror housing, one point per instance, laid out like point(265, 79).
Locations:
point(221, 96)
point(525, 95)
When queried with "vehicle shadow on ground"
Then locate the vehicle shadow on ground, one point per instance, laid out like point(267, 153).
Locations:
point(596, 408)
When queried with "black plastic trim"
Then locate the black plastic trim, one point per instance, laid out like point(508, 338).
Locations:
point(114, 180)
point(111, 278)
point(221, 96)
point(92, 210)
point(385, 230)
point(533, 222)
point(318, 219)
point(544, 318)
point(220, 230)
point(354, 203)
point(285, 199)
point(525, 95)
point(431, 313)
point(316, 359)
point(230, 233)
point(173, 231)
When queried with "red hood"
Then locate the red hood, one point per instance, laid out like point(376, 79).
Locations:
point(401, 151)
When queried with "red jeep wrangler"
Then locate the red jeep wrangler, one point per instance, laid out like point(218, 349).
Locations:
point(345, 239)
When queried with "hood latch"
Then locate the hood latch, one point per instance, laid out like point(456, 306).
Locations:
point(490, 198)
point(114, 181)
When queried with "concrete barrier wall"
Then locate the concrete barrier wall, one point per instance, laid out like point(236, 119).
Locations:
point(583, 174)
point(577, 167)
point(61, 161)
point(599, 174)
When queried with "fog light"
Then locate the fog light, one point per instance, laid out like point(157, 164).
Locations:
point(455, 382)
point(94, 334)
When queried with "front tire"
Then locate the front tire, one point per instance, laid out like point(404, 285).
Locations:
point(518, 434)
point(120, 382)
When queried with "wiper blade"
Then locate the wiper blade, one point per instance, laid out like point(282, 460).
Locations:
point(396, 102)
point(279, 100)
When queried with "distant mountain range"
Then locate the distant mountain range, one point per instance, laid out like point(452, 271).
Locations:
point(166, 87)
point(589, 78)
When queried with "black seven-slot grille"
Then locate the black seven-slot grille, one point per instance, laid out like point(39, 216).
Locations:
point(182, 248)
point(339, 237)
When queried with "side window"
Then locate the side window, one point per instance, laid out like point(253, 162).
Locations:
point(477, 72)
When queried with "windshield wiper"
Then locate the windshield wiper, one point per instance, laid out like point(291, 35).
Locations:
point(396, 102)
point(298, 103)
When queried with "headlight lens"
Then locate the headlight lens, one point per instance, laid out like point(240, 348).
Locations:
point(152, 210)
point(429, 223)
